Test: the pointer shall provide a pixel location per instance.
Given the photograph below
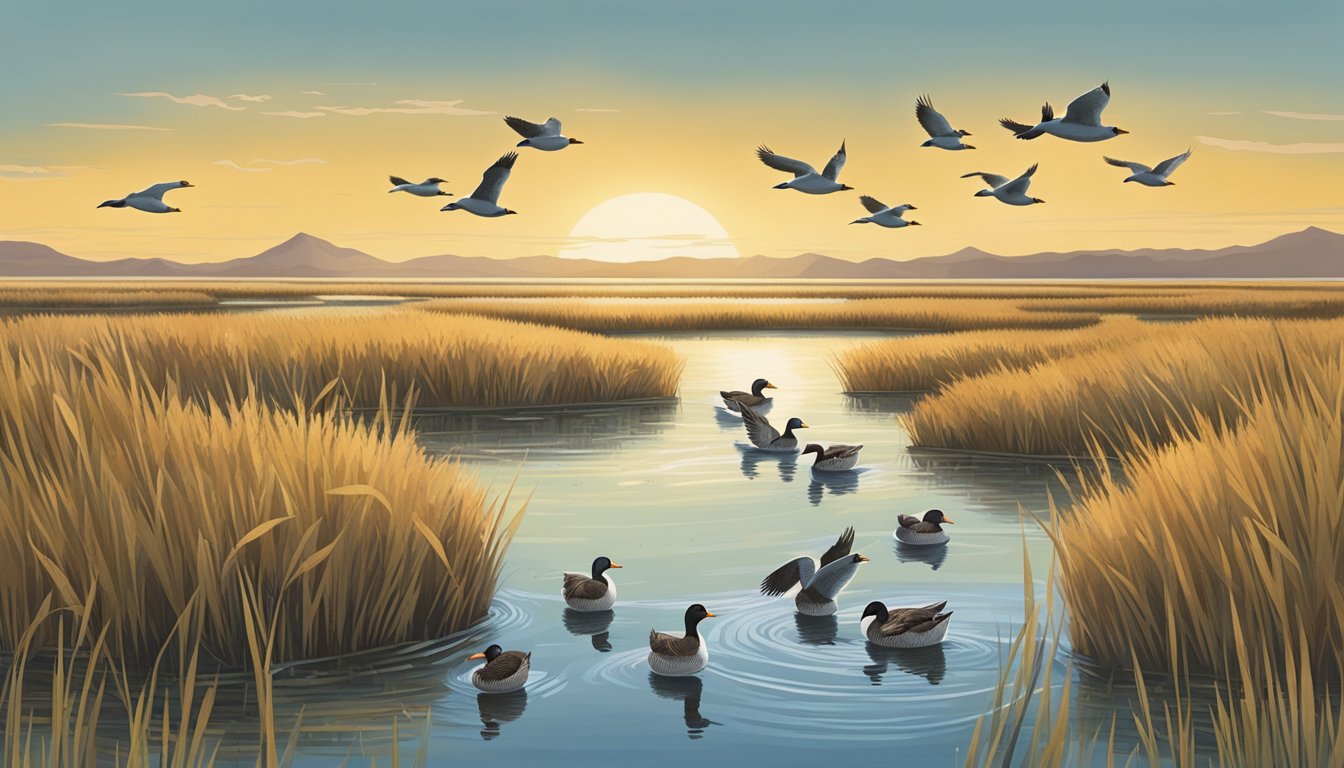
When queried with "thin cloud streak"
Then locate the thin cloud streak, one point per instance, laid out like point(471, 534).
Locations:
point(297, 114)
point(410, 107)
point(195, 100)
point(1305, 115)
point(244, 97)
point(237, 167)
point(1299, 148)
point(108, 127)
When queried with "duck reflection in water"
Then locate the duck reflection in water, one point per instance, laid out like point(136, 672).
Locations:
point(496, 708)
point(687, 690)
point(594, 624)
point(933, 556)
point(817, 630)
point(928, 663)
point(834, 483)
point(752, 458)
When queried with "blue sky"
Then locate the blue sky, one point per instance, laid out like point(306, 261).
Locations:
point(699, 83)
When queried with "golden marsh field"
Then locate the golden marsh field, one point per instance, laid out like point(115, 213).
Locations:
point(186, 494)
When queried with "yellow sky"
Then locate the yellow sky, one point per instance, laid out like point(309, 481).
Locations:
point(698, 147)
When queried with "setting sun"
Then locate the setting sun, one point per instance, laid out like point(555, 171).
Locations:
point(647, 226)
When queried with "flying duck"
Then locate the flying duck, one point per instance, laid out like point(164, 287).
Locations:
point(590, 593)
point(904, 627)
point(680, 655)
point(766, 437)
point(1081, 122)
point(427, 188)
point(545, 136)
point(148, 200)
point(920, 532)
point(1151, 177)
point(485, 200)
point(1011, 192)
point(941, 133)
point(805, 177)
point(754, 398)
point(819, 585)
point(885, 215)
point(833, 458)
point(503, 671)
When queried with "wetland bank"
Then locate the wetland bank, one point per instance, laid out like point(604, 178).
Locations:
point(247, 528)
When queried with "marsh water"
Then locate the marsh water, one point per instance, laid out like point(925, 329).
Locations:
point(673, 492)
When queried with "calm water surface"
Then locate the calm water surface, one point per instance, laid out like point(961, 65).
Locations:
point(673, 492)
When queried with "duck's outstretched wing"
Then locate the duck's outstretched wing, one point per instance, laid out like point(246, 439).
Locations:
point(157, 190)
point(492, 181)
point(1086, 109)
point(931, 120)
point(758, 428)
point(1133, 167)
point(832, 578)
point(1165, 167)
point(994, 180)
point(871, 204)
point(840, 548)
point(1019, 185)
point(788, 576)
point(782, 163)
point(837, 163)
point(397, 181)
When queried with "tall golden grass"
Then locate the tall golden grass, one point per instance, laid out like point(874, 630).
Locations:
point(909, 314)
point(929, 362)
point(450, 361)
point(57, 296)
point(1251, 301)
point(319, 534)
point(1234, 538)
point(1119, 397)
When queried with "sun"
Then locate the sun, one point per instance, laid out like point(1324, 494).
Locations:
point(646, 226)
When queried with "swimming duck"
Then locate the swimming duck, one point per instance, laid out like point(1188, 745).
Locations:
point(754, 398)
point(503, 671)
point(920, 532)
point(150, 199)
point(834, 458)
point(680, 655)
point(904, 627)
point(766, 437)
point(819, 585)
point(590, 593)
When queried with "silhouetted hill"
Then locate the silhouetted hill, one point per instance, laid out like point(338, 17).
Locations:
point(1312, 252)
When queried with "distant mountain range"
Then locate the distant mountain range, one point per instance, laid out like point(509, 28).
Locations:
point(1310, 253)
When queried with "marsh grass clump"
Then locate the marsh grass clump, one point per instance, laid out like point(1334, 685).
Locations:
point(918, 363)
point(933, 314)
point(1119, 398)
point(93, 296)
point(1225, 546)
point(323, 535)
point(449, 361)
